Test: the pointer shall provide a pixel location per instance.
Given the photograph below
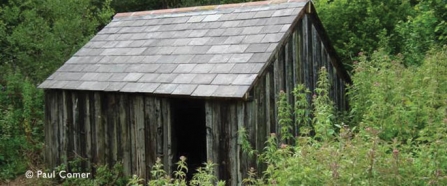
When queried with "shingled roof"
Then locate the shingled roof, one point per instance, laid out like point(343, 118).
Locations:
point(208, 51)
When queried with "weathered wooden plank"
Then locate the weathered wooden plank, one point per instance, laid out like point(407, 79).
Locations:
point(217, 137)
point(106, 105)
point(261, 122)
point(276, 87)
point(282, 68)
point(261, 111)
point(242, 157)
point(268, 117)
point(72, 126)
point(110, 126)
point(117, 149)
point(250, 120)
point(125, 134)
point(288, 62)
point(316, 46)
point(99, 129)
point(79, 118)
point(209, 131)
point(296, 71)
point(232, 155)
point(133, 136)
point(315, 54)
point(88, 131)
point(50, 115)
point(306, 56)
point(289, 72)
point(310, 56)
point(65, 131)
point(296, 45)
point(150, 119)
point(116, 134)
point(76, 126)
point(138, 119)
point(224, 123)
point(326, 65)
point(272, 108)
point(290, 77)
point(158, 115)
point(167, 131)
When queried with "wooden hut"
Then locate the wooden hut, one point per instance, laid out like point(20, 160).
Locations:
point(175, 82)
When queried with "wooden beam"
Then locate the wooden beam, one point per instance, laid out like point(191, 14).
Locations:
point(125, 133)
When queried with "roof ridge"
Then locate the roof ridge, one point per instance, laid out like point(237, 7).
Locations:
point(207, 7)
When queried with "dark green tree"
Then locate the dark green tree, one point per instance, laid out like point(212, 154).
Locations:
point(36, 37)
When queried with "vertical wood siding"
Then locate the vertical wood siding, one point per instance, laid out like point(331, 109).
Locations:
point(107, 128)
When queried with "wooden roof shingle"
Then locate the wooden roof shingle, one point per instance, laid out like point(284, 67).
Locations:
point(209, 51)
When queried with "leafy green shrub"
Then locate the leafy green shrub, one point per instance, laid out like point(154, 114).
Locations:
point(21, 125)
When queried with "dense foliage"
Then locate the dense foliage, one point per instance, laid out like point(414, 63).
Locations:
point(409, 27)
point(36, 38)
point(394, 133)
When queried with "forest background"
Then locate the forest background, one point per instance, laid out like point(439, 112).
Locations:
point(395, 51)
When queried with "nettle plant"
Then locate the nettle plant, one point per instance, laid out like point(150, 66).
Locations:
point(204, 177)
point(395, 131)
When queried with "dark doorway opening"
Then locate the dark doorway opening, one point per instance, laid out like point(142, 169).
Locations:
point(189, 129)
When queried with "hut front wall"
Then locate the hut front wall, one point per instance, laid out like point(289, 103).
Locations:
point(135, 129)
point(107, 128)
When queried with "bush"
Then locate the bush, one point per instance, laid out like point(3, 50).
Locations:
point(21, 125)
point(395, 136)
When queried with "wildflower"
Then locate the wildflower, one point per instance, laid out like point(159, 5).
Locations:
point(396, 152)
point(183, 158)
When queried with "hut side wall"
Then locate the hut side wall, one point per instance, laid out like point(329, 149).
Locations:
point(106, 128)
point(298, 61)
point(310, 55)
